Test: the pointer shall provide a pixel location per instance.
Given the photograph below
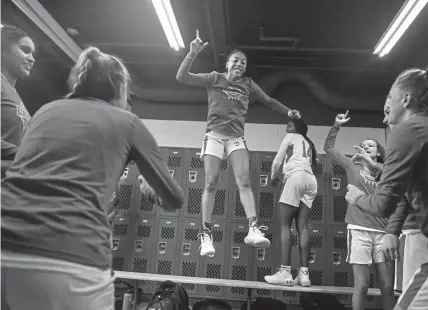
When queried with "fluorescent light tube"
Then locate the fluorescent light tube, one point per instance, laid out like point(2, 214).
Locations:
point(407, 14)
point(169, 23)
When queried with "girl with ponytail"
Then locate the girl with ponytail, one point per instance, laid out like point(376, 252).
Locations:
point(298, 157)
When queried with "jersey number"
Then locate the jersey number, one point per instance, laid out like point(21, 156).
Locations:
point(306, 153)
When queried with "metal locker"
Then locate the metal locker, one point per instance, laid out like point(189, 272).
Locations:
point(317, 213)
point(339, 272)
point(236, 209)
point(266, 195)
point(336, 190)
point(264, 261)
point(175, 160)
point(238, 259)
point(121, 242)
point(194, 181)
point(188, 252)
point(165, 247)
point(144, 234)
point(214, 267)
point(128, 188)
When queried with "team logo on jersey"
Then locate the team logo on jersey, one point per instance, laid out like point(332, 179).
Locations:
point(23, 114)
point(368, 179)
point(235, 93)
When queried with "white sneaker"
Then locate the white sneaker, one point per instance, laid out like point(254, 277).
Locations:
point(302, 279)
point(281, 277)
point(256, 238)
point(206, 247)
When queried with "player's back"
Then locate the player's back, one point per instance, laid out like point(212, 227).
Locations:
point(298, 156)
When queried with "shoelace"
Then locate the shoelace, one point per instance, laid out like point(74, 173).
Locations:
point(258, 229)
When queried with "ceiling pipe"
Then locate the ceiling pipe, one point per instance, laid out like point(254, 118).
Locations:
point(293, 41)
point(303, 49)
point(269, 84)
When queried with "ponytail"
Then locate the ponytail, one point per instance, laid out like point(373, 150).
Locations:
point(97, 75)
point(314, 153)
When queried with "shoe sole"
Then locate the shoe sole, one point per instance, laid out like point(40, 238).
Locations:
point(286, 283)
point(210, 254)
point(263, 244)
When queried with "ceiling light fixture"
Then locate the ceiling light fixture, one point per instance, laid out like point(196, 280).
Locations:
point(405, 17)
point(169, 23)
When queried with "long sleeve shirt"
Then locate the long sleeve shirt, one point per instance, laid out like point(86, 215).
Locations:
point(14, 121)
point(228, 101)
point(405, 170)
point(361, 179)
point(57, 193)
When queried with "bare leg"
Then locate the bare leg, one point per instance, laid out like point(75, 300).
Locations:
point(212, 174)
point(286, 213)
point(302, 230)
point(385, 275)
point(240, 162)
point(361, 285)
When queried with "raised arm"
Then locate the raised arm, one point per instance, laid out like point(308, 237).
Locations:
point(196, 79)
point(268, 101)
point(330, 142)
point(279, 158)
point(148, 158)
point(402, 154)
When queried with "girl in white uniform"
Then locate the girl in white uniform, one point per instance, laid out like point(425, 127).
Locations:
point(298, 157)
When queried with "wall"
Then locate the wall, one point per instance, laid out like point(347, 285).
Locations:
point(260, 137)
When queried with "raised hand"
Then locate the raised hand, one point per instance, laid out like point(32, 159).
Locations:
point(342, 119)
point(196, 46)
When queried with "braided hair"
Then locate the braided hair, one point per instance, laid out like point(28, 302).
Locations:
point(302, 129)
point(98, 75)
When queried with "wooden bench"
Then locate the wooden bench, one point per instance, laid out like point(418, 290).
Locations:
point(249, 285)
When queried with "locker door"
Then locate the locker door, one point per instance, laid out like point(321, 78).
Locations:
point(267, 196)
point(238, 259)
point(144, 234)
point(165, 247)
point(339, 272)
point(214, 267)
point(317, 213)
point(188, 254)
point(175, 159)
point(336, 189)
point(121, 243)
point(265, 261)
point(128, 188)
point(194, 188)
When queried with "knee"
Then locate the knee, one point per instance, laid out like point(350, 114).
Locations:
point(361, 285)
point(386, 286)
point(243, 181)
point(211, 183)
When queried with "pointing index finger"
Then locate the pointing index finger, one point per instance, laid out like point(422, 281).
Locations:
point(346, 113)
point(197, 34)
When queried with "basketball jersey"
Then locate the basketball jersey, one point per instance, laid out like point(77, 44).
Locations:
point(298, 154)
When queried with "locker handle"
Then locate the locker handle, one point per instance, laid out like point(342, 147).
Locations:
point(171, 172)
point(337, 258)
point(186, 249)
point(261, 254)
point(236, 252)
point(162, 247)
point(312, 257)
point(264, 180)
point(115, 244)
point(138, 246)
